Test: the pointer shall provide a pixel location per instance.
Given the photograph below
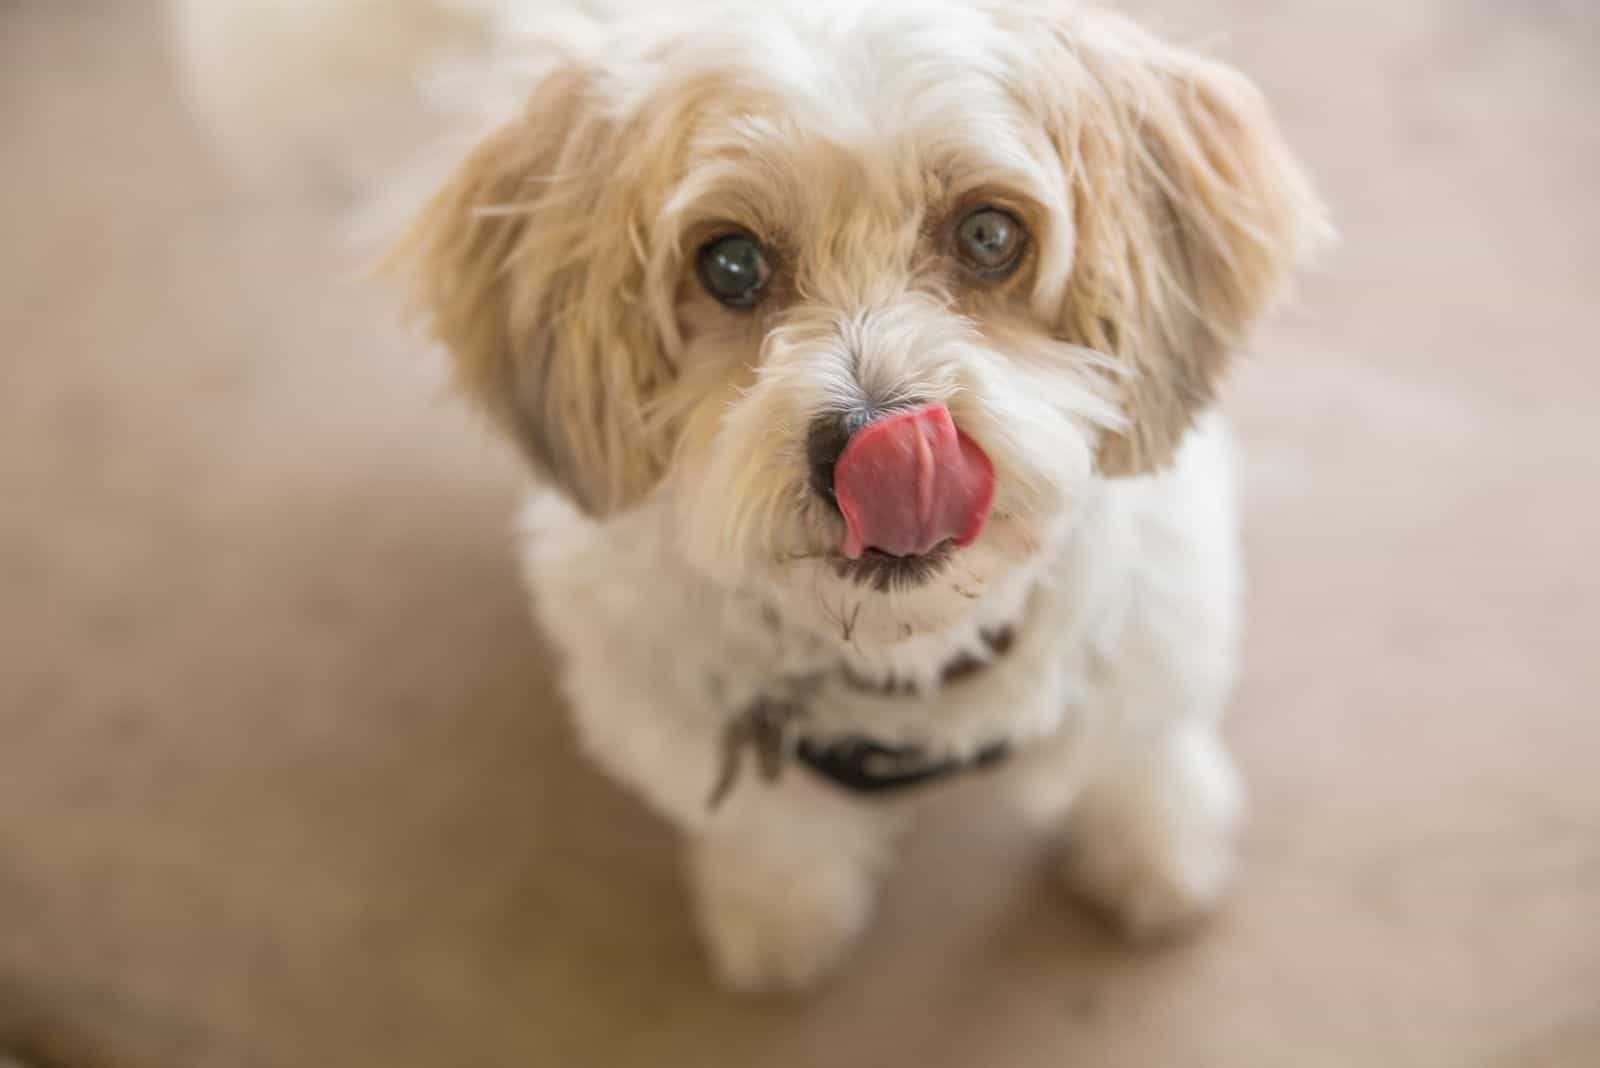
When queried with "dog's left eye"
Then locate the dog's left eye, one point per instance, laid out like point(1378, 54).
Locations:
point(990, 242)
point(734, 269)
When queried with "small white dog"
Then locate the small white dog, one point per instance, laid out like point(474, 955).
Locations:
point(864, 351)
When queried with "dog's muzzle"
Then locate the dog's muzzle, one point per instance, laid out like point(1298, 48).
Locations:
point(905, 483)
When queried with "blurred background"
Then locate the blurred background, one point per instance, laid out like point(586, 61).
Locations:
point(283, 780)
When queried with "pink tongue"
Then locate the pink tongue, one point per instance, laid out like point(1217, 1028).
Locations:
point(909, 481)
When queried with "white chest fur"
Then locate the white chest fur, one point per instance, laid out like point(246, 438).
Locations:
point(1138, 597)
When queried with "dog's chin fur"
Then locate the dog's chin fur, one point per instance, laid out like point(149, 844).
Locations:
point(679, 552)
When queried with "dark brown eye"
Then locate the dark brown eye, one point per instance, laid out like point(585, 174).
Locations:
point(734, 269)
point(990, 242)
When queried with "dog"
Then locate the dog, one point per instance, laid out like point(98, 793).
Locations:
point(865, 357)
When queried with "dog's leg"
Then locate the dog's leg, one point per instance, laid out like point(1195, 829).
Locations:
point(1151, 840)
point(780, 903)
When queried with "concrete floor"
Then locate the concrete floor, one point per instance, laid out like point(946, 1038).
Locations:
point(282, 782)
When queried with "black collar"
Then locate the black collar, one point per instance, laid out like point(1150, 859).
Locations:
point(864, 766)
point(854, 762)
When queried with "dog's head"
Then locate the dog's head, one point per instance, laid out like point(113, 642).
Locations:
point(871, 292)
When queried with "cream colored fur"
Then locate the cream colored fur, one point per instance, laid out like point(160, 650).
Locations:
point(676, 552)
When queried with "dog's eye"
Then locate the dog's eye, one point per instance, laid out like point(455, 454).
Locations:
point(734, 269)
point(990, 242)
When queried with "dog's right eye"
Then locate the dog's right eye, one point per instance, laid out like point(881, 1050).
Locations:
point(990, 242)
point(734, 269)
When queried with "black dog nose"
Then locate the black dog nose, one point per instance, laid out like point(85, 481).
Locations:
point(825, 441)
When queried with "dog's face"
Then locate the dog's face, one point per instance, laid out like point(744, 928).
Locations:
point(872, 293)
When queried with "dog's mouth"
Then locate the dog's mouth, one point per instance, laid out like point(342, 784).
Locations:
point(886, 572)
point(911, 489)
point(909, 485)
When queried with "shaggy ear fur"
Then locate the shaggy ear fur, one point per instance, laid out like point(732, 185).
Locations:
point(529, 264)
point(1190, 211)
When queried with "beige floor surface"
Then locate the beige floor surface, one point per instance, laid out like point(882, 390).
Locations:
point(282, 782)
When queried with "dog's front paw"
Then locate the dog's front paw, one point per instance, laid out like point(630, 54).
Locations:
point(1150, 891)
point(1154, 848)
point(777, 925)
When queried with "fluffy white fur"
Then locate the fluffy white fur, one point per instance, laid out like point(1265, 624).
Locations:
point(676, 552)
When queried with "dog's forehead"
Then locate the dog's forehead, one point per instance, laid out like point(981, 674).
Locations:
point(862, 69)
point(887, 103)
point(824, 50)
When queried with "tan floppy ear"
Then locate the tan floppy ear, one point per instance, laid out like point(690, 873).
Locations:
point(1190, 211)
point(526, 267)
